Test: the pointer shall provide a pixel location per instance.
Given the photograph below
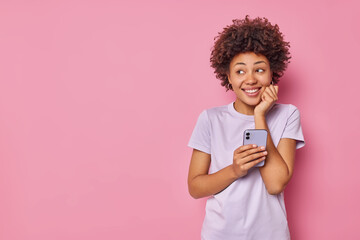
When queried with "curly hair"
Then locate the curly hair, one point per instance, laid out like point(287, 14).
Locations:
point(246, 35)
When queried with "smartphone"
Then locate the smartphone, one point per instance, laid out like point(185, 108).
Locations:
point(258, 137)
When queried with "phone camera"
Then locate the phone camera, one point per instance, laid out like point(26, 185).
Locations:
point(247, 134)
point(247, 137)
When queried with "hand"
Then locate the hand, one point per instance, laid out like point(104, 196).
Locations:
point(246, 157)
point(268, 99)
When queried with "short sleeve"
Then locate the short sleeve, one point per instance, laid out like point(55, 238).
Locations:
point(293, 128)
point(200, 138)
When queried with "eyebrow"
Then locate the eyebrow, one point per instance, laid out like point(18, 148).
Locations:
point(254, 63)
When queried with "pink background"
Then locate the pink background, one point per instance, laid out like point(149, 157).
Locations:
point(98, 100)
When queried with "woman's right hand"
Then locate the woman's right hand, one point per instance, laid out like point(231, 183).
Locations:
point(246, 157)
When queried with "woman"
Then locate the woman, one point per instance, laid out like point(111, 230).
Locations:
point(246, 202)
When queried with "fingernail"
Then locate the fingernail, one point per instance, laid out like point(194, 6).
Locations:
point(265, 152)
point(262, 148)
point(254, 145)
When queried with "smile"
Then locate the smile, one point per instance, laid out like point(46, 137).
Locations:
point(252, 92)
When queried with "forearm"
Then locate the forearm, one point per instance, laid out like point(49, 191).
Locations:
point(275, 172)
point(210, 184)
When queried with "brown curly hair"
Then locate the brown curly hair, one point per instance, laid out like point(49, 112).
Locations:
point(246, 35)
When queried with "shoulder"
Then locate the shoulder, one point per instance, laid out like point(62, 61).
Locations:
point(216, 111)
point(207, 114)
point(283, 111)
point(218, 108)
point(287, 109)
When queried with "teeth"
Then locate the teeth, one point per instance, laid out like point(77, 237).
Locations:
point(252, 91)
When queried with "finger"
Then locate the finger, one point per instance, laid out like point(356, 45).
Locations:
point(263, 94)
point(272, 88)
point(267, 97)
point(242, 158)
point(263, 97)
point(244, 148)
point(253, 150)
point(271, 92)
point(251, 164)
point(249, 152)
point(276, 89)
point(252, 157)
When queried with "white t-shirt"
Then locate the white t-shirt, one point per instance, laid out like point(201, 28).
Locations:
point(244, 210)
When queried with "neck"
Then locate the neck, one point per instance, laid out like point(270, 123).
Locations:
point(243, 108)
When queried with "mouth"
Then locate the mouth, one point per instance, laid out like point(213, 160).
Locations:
point(251, 92)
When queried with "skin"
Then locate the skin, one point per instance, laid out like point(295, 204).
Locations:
point(247, 70)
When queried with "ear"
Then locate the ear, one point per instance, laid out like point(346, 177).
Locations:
point(228, 77)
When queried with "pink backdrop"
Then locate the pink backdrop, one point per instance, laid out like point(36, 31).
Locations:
point(98, 100)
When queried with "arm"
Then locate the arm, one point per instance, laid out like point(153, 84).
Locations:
point(201, 184)
point(279, 164)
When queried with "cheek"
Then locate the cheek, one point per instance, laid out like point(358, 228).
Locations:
point(237, 82)
point(266, 80)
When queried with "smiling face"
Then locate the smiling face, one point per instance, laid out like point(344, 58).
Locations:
point(249, 75)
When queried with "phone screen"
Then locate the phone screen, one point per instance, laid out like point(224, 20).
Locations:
point(258, 137)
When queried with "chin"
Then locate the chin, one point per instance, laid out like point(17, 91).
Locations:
point(251, 102)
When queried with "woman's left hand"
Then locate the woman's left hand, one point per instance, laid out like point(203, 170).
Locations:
point(268, 99)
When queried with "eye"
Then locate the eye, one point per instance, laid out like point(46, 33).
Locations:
point(260, 70)
point(240, 71)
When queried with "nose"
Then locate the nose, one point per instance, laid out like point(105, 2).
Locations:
point(250, 79)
